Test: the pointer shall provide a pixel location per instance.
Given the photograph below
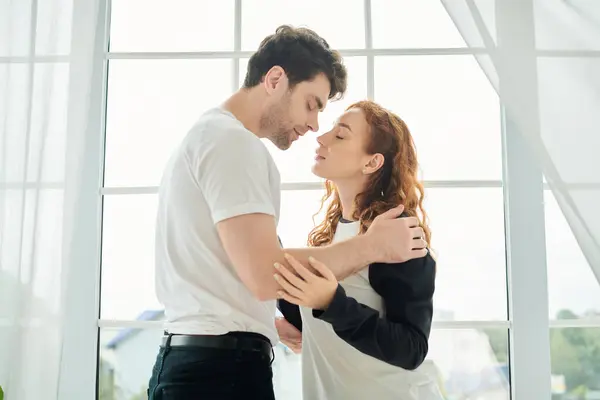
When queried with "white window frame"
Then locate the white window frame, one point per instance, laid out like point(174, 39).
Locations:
point(529, 340)
point(79, 360)
point(528, 322)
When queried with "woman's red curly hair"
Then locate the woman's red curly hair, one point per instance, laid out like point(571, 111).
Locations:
point(395, 183)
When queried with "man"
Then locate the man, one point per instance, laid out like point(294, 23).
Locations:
point(216, 241)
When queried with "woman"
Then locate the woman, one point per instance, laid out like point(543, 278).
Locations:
point(364, 337)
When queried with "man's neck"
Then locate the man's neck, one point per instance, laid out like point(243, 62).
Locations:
point(246, 108)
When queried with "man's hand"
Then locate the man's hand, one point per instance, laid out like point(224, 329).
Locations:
point(396, 240)
point(289, 335)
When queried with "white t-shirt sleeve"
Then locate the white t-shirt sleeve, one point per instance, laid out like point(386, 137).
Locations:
point(232, 170)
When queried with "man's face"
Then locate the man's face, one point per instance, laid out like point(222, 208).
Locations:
point(291, 113)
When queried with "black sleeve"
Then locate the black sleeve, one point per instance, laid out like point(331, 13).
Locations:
point(401, 336)
point(291, 312)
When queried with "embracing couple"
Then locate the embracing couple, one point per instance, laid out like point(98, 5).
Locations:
point(358, 298)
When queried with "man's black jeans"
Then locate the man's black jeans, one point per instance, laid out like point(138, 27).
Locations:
point(190, 373)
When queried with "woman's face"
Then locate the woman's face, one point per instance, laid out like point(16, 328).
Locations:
point(341, 153)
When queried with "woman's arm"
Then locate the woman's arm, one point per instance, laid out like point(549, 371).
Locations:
point(291, 313)
point(401, 336)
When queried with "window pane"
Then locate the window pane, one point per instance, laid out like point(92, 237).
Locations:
point(15, 20)
point(48, 136)
point(410, 24)
point(32, 257)
point(128, 256)
point(296, 220)
point(467, 235)
point(126, 359)
point(14, 114)
point(340, 22)
point(54, 27)
point(151, 106)
point(569, 153)
point(47, 121)
point(451, 109)
point(295, 164)
point(171, 25)
point(128, 355)
point(572, 286)
point(554, 25)
point(470, 363)
point(33, 354)
point(575, 362)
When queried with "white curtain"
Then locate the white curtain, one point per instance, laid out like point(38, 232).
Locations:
point(543, 58)
point(46, 65)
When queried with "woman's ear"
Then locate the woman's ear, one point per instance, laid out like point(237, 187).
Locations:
point(374, 164)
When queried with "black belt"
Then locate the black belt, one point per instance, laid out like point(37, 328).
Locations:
point(226, 342)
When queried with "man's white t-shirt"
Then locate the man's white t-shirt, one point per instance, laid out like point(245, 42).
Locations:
point(221, 170)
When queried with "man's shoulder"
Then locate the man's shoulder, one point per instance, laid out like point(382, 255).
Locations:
point(214, 122)
point(217, 128)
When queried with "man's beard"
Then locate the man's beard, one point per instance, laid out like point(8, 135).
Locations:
point(274, 122)
point(281, 140)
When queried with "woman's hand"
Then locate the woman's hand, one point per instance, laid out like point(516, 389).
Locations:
point(307, 289)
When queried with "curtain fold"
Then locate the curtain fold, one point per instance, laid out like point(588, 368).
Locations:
point(45, 83)
point(549, 83)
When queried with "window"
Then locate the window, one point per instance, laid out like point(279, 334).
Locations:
point(55, 125)
point(52, 40)
point(45, 43)
point(340, 22)
point(20, 46)
point(128, 256)
point(413, 24)
point(573, 289)
point(126, 359)
point(451, 110)
point(475, 268)
point(170, 61)
point(470, 363)
point(175, 25)
point(151, 105)
point(38, 207)
point(550, 30)
point(575, 360)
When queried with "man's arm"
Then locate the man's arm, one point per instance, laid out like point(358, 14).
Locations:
point(252, 245)
point(291, 312)
point(232, 170)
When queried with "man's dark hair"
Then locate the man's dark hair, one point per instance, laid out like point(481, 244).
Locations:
point(302, 54)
